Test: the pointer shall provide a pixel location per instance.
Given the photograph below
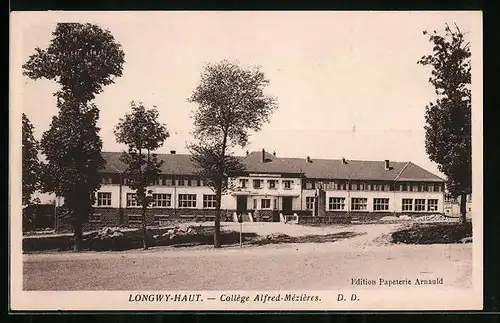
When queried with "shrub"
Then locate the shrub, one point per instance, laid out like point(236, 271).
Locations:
point(430, 233)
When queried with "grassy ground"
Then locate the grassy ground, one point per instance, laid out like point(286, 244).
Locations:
point(430, 233)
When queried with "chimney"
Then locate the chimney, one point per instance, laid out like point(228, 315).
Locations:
point(387, 166)
point(247, 153)
point(263, 156)
point(308, 159)
point(274, 153)
point(344, 162)
point(172, 152)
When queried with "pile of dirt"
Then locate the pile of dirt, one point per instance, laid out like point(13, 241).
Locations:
point(389, 218)
point(277, 238)
point(436, 218)
point(110, 238)
point(434, 233)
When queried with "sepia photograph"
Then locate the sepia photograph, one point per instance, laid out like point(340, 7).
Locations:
point(249, 160)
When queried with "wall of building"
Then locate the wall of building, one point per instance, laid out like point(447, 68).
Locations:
point(395, 199)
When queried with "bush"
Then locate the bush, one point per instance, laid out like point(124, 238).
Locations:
point(430, 233)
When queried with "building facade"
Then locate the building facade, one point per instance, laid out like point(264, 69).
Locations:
point(270, 189)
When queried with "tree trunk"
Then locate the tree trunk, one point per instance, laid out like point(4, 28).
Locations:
point(144, 229)
point(218, 197)
point(78, 232)
point(463, 208)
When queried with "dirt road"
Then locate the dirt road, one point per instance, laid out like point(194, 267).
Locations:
point(307, 266)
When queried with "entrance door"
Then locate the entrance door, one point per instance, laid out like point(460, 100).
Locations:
point(241, 204)
point(287, 205)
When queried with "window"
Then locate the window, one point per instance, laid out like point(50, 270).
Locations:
point(162, 200)
point(94, 217)
point(437, 188)
point(255, 204)
point(189, 182)
point(187, 200)
point(407, 204)
point(309, 202)
point(256, 183)
point(380, 204)
point(106, 179)
point(208, 201)
point(309, 185)
point(103, 199)
point(132, 199)
point(243, 183)
point(180, 181)
point(359, 203)
point(354, 186)
point(265, 203)
point(419, 205)
point(432, 205)
point(363, 186)
point(287, 184)
point(159, 180)
point(336, 203)
point(271, 183)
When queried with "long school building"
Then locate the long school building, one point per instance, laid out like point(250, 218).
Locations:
point(272, 188)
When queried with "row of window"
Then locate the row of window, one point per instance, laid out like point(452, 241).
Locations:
point(160, 200)
point(271, 183)
point(379, 204)
point(164, 180)
point(334, 203)
point(365, 186)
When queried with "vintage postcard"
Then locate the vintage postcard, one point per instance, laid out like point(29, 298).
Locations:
point(236, 161)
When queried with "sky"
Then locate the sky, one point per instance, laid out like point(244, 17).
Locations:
point(347, 83)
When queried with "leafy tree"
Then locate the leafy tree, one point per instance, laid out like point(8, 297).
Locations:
point(31, 164)
point(448, 119)
point(82, 58)
point(230, 104)
point(141, 131)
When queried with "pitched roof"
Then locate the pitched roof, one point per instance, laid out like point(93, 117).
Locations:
point(181, 164)
point(272, 164)
point(361, 170)
point(173, 164)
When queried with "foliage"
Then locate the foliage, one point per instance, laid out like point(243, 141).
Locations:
point(72, 148)
point(448, 119)
point(448, 129)
point(215, 167)
point(31, 164)
point(82, 58)
point(230, 104)
point(141, 131)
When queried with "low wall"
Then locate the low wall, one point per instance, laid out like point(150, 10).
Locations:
point(132, 217)
point(304, 219)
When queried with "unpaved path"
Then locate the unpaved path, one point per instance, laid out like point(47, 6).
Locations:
point(305, 266)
